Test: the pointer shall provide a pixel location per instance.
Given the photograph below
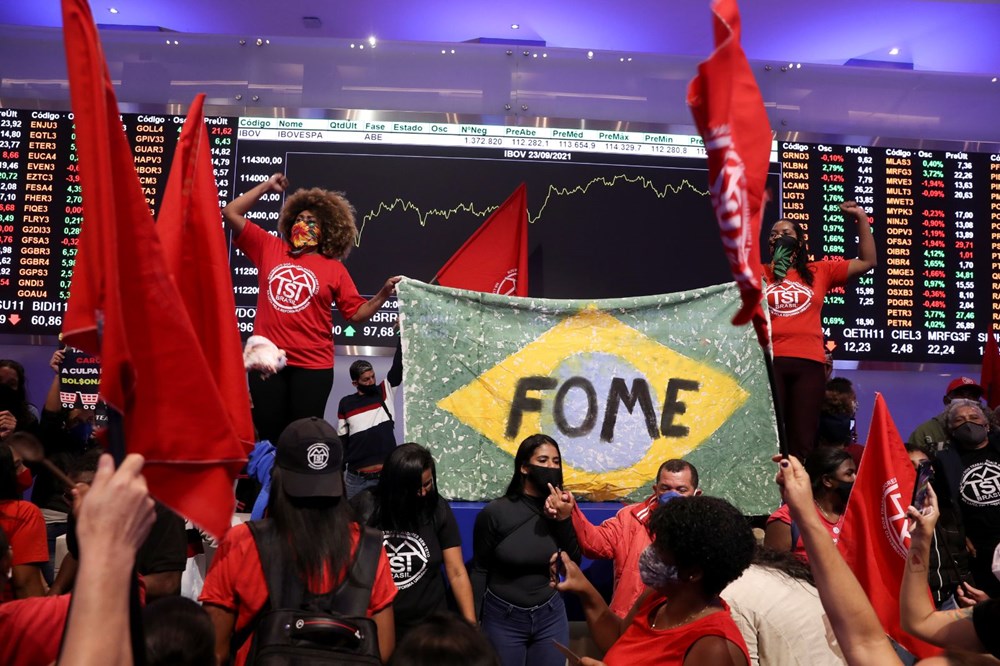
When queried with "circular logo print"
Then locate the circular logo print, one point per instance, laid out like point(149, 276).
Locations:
point(894, 517)
point(507, 284)
point(408, 557)
point(318, 455)
point(291, 287)
point(786, 299)
point(980, 485)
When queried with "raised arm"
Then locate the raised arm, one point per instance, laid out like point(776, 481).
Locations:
point(605, 627)
point(365, 312)
point(952, 629)
point(233, 214)
point(867, 256)
point(852, 617)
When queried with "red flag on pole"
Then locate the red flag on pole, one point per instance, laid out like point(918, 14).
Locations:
point(990, 377)
point(196, 257)
point(495, 258)
point(874, 538)
point(125, 308)
point(729, 111)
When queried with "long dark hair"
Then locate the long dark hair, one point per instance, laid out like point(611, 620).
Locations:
point(398, 504)
point(315, 531)
point(521, 458)
point(783, 561)
point(8, 475)
point(800, 262)
point(824, 461)
point(20, 408)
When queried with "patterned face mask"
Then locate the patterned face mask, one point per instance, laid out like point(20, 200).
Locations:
point(305, 234)
point(654, 573)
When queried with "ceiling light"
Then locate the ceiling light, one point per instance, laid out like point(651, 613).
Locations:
point(798, 65)
point(993, 80)
point(894, 51)
point(514, 26)
point(353, 45)
point(453, 51)
point(112, 10)
point(371, 41)
point(590, 55)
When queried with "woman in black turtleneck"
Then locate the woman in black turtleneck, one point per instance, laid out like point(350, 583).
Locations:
point(513, 543)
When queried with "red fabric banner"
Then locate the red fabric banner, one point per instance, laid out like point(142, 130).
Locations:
point(874, 538)
point(729, 111)
point(125, 308)
point(189, 224)
point(495, 258)
point(990, 377)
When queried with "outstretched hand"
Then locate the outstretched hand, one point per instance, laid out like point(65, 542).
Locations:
point(559, 503)
point(573, 579)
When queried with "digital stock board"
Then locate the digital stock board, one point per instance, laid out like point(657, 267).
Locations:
point(611, 213)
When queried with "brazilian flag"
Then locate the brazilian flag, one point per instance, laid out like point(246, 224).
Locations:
point(621, 384)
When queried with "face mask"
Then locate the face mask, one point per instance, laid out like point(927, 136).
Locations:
point(24, 480)
point(843, 489)
point(8, 398)
point(369, 389)
point(81, 431)
point(969, 434)
point(784, 249)
point(543, 476)
point(667, 496)
point(304, 235)
point(654, 573)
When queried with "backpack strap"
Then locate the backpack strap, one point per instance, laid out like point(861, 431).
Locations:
point(354, 594)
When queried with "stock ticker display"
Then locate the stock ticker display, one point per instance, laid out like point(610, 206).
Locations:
point(611, 214)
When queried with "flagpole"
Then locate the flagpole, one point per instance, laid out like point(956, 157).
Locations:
point(779, 415)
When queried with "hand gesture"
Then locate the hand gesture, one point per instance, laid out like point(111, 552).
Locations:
point(923, 519)
point(559, 503)
point(57, 360)
point(573, 578)
point(117, 512)
point(277, 182)
point(968, 596)
point(796, 489)
point(8, 424)
point(852, 209)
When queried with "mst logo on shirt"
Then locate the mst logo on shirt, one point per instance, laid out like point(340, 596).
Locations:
point(980, 484)
point(291, 287)
point(408, 556)
point(786, 299)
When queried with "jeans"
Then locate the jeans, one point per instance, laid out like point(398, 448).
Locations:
point(524, 636)
point(355, 483)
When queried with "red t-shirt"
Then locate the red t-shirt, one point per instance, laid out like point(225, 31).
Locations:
point(24, 526)
point(297, 293)
point(236, 582)
point(641, 644)
point(795, 308)
point(31, 630)
point(799, 548)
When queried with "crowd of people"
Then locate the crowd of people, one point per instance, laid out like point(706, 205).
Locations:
point(352, 556)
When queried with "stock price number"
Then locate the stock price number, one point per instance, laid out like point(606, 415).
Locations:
point(857, 347)
point(46, 320)
point(943, 350)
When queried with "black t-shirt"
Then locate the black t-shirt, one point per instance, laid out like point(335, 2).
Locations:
point(979, 493)
point(415, 559)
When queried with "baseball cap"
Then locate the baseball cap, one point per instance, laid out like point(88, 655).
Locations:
point(963, 382)
point(311, 457)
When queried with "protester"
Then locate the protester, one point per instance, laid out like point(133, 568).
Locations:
point(838, 418)
point(14, 398)
point(795, 290)
point(300, 277)
point(25, 528)
point(366, 422)
point(318, 535)
point(513, 543)
point(832, 471)
point(420, 534)
point(932, 434)
point(444, 640)
point(700, 545)
point(623, 537)
point(178, 632)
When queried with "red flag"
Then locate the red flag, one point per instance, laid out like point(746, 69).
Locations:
point(729, 111)
point(495, 258)
point(196, 257)
point(125, 308)
point(990, 377)
point(874, 538)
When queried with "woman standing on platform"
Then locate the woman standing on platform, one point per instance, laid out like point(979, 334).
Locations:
point(300, 277)
point(513, 543)
point(795, 291)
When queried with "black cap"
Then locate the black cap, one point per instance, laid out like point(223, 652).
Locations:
point(311, 458)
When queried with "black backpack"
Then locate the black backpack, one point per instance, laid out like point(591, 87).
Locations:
point(298, 628)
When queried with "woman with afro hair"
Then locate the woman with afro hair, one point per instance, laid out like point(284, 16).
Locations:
point(795, 291)
point(300, 277)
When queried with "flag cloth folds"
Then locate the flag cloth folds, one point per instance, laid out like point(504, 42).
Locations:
point(990, 377)
point(189, 224)
point(729, 112)
point(495, 258)
point(874, 538)
point(125, 308)
point(622, 385)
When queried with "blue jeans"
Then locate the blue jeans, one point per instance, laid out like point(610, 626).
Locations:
point(355, 483)
point(524, 636)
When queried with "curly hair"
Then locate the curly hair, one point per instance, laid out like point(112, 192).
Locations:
point(801, 260)
point(707, 533)
point(337, 231)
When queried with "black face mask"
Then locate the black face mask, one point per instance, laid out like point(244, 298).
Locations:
point(843, 490)
point(8, 399)
point(969, 434)
point(369, 389)
point(543, 476)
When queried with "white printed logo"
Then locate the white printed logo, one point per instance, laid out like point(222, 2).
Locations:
point(786, 299)
point(507, 284)
point(980, 484)
point(894, 517)
point(318, 455)
point(408, 556)
point(291, 287)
